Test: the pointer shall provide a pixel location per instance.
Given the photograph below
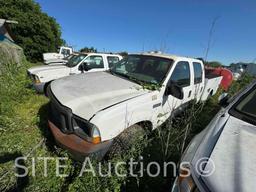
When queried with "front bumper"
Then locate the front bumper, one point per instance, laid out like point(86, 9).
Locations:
point(76, 146)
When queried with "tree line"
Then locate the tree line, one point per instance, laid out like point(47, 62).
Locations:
point(36, 32)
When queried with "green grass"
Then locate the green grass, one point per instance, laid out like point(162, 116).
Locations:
point(23, 124)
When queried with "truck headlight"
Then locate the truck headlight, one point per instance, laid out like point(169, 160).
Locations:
point(95, 135)
point(185, 181)
point(36, 79)
point(86, 130)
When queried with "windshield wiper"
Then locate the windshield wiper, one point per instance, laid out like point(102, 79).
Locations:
point(143, 83)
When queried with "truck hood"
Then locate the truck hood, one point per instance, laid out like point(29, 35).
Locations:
point(86, 94)
point(47, 68)
point(48, 73)
point(234, 158)
point(56, 61)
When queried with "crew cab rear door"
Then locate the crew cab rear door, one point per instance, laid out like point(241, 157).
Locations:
point(198, 79)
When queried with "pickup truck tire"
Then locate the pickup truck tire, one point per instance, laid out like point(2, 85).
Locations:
point(125, 140)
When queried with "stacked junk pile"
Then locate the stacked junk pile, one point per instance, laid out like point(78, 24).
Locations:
point(9, 51)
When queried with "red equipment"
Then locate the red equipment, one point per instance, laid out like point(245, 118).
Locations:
point(227, 76)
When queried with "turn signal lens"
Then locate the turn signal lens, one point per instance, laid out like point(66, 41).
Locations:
point(184, 173)
point(96, 135)
point(37, 80)
point(185, 181)
point(96, 140)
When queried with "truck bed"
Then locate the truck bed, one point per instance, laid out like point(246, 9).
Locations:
point(212, 83)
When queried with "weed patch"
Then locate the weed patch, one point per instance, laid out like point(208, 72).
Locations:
point(23, 125)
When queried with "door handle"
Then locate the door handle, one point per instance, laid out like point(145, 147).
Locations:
point(189, 93)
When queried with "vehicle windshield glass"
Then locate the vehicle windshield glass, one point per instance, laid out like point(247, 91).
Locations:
point(247, 105)
point(143, 69)
point(75, 60)
point(69, 57)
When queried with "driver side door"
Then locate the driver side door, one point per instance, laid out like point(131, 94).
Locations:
point(181, 76)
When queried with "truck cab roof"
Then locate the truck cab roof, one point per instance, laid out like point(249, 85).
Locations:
point(170, 56)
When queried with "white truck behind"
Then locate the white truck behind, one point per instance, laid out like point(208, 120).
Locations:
point(43, 75)
point(63, 52)
point(91, 113)
point(62, 61)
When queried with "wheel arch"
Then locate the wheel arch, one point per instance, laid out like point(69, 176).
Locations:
point(147, 125)
point(45, 87)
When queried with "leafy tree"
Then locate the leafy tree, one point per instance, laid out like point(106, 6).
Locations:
point(36, 32)
point(88, 50)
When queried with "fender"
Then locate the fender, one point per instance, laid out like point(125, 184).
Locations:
point(112, 121)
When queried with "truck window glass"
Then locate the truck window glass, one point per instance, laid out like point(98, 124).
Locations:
point(142, 68)
point(65, 52)
point(198, 72)
point(112, 60)
point(181, 74)
point(247, 105)
point(75, 60)
point(244, 108)
point(94, 62)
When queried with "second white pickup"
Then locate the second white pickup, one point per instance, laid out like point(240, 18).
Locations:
point(43, 75)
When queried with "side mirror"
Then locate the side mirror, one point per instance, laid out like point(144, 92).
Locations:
point(174, 90)
point(83, 67)
point(223, 99)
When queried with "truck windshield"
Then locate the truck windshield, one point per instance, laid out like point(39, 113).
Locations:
point(75, 60)
point(143, 68)
point(245, 108)
point(248, 104)
point(69, 57)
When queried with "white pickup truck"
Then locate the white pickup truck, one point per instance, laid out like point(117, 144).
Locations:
point(63, 52)
point(92, 113)
point(42, 76)
point(60, 61)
